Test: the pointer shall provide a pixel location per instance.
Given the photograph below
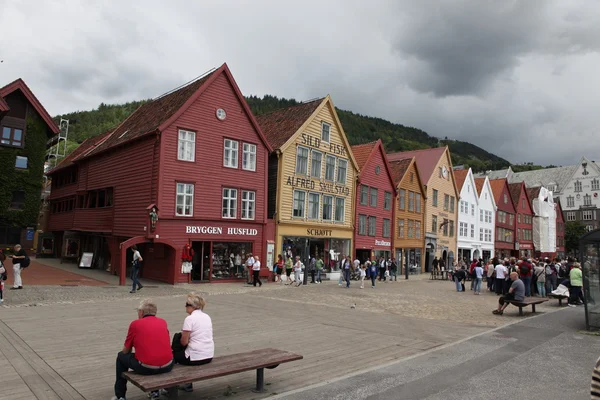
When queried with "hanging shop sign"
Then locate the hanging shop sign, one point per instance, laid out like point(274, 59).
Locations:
point(318, 232)
point(219, 230)
point(382, 243)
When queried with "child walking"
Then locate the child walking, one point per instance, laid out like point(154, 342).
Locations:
point(363, 274)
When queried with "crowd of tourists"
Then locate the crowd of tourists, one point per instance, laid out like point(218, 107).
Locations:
point(538, 277)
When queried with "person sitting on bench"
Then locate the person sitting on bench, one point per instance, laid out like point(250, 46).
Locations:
point(195, 345)
point(149, 335)
point(516, 292)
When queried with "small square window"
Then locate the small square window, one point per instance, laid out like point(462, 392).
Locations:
point(21, 162)
point(325, 132)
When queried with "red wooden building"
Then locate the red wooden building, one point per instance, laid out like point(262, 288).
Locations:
point(375, 193)
point(504, 245)
point(524, 228)
point(197, 157)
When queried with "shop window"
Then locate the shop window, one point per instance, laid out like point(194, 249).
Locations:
point(434, 200)
point(302, 161)
point(229, 203)
point(314, 200)
point(339, 209)
point(327, 208)
point(299, 200)
point(18, 200)
point(364, 195)
point(386, 227)
point(329, 168)
point(230, 153)
point(325, 131)
point(401, 228)
point(374, 192)
point(21, 162)
point(315, 165)
point(402, 199)
point(342, 171)
point(249, 157)
point(229, 259)
point(248, 203)
point(12, 137)
point(186, 146)
point(184, 200)
point(387, 201)
point(362, 224)
point(372, 226)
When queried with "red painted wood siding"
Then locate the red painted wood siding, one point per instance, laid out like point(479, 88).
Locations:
point(509, 208)
point(61, 222)
point(63, 191)
point(93, 219)
point(382, 182)
point(207, 173)
point(524, 210)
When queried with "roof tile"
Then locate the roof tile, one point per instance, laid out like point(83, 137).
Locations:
point(426, 159)
point(497, 188)
point(280, 125)
point(399, 168)
point(515, 192)
point(460, 176)
point(479, 182)
point(362, 152)
point(85, 147)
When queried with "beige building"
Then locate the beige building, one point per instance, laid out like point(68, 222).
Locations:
point(312, 182)
point(441, 206)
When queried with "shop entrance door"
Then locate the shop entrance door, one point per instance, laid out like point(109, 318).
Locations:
point(362, 255)
point(316, 247)
point(201, 262)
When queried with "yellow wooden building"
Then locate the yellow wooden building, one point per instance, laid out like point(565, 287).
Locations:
point(409, 207)
point(441, 207)
point(312, 182)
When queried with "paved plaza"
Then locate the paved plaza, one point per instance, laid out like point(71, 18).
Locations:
point(60, 340)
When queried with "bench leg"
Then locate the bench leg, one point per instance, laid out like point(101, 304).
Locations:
point(533, 308)
point(520, 310)
point(173, 392)
point(560, 302)
point(260, 381)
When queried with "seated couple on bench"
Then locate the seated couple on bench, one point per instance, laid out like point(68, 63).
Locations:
point(154, 353)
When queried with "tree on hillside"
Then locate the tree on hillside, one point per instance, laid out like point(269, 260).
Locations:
point(573, 231)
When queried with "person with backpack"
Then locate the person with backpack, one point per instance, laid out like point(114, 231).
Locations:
point(459, 277)
point(551, 275)
point(20, 261)
point(525, 274)
point(539, 275)
point(478, 278)
point(373, 273)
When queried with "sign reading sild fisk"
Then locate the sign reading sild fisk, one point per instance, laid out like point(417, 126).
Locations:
point(316, 142)
point(218, 230)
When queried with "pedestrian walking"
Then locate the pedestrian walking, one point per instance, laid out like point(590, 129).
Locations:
point(346, 267)
point(363, 274)
point(459, 277)
point(249, 264)
point(319, 265)
point(478, 278)
point(551, 275)
point(20, 261)
point(288, 270)
point(136, 264)
point(297, 270)
point(256, 272)
point(576, 280)
point(279, 269)
point(539, 275)
point(393, 270)
point(491, 269)
point(382, 269)
point(312, 267)
point(373, 274)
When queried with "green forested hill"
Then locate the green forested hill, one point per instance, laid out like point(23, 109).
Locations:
point(359, 128)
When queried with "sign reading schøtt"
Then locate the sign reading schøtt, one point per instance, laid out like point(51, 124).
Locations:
point(382, 243)
point(218, 230)
point(318, 232)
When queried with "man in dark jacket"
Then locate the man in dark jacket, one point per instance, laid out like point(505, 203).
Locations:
point(459, 278)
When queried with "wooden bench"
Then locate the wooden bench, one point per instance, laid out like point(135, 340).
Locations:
point(219, 366)
point(560, 298)
point(532, 301)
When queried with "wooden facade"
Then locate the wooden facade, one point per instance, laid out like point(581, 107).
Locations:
point(524, 220)
point(315, 177)
point(505, 219)
point(181, 155)
point(375, 193)
point(409, 221)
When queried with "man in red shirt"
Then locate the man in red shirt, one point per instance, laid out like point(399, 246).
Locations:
point(149, 335)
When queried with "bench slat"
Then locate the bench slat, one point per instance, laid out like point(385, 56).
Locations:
point(219, 366)
point(526, 302)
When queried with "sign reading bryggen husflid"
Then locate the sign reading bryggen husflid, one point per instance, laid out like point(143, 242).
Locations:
point(312, 176)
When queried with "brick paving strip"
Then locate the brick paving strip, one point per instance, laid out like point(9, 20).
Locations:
point(76, 331)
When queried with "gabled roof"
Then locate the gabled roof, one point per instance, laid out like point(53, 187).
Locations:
point(498, 174)
point(80, 152)
point(158, 114)
point(544, 177)
point(426, 159)
point(399, 168)
point(460, 176)
point(364, 152)
point(280, 125)
point(479, 182)
point(515, 192)
point(19, 84)
point(534, 192)
point(497, 186)
point(3, 106)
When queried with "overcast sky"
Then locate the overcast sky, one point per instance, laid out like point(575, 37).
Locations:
point(518, 78)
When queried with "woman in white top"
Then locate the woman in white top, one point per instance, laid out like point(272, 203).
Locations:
point(197, 346)
point(256, 272)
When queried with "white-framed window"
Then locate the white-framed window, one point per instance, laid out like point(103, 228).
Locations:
point(587, 215)
point(373, 201)
point(587, 200)
point(184, 200)
point(21, 162)
point(417, 229)
point(410, 231)
point(299, 203)
point(249, 157)
point(248, 202)
point(578, 186)
point(186, 146)
point(315, 164)
point(401, 228)
point(488, 235)
point(462, 206)
point(229, 203)
point(402, 199)
point(595, 184)
point(364, 195)
point(488, 217)
point(302, 160)
point(472, 231)
point(462, 229)
point(418, 202)
point(362, 224)
point(570, 201)
point(325, 131)
point(481, 234)
point(372, 226)
point(589, 228)
point(387, 201)
point(411, 200)
point(329, 168)
point(230, 153)
point(314, 202)
point(342, 171)
point(340, 204)
point(472, 209)
point(327, 208)
point(571, 216)
point(386, 227)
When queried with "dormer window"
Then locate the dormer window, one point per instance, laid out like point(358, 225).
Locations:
point(325, 131)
